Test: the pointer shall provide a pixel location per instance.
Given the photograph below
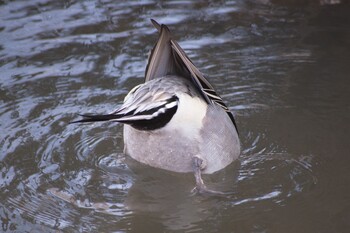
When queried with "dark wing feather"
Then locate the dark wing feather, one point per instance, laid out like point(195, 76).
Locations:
point(206, 89)
point(142, 109)
point(94, 118)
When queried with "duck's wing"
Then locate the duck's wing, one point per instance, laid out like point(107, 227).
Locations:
point(147, 106)
point(180, 64)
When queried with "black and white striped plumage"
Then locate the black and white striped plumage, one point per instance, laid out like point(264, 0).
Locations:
point(175, 115)
point(146, 107)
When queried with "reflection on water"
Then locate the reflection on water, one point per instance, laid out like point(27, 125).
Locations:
point(281, 66)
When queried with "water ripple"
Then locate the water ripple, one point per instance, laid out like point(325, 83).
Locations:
point(59, 58)
point(282, 174)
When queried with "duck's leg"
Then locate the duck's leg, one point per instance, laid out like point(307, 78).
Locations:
point(198, 165)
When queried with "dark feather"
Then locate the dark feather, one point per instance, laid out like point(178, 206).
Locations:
point(94, 118)
point(150, 119)
point(160, 61)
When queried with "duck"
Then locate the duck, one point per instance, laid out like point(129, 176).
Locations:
point(175, 120)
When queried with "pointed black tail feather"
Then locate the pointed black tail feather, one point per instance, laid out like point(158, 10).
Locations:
point(94, 118)
point(156, 24)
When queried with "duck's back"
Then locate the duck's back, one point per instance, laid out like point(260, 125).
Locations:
point(196, 129)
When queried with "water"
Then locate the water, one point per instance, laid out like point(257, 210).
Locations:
point(281, 67)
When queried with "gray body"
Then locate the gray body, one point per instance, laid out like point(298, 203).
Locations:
point(172, 148)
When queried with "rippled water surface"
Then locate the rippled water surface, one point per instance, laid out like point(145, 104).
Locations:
point(281, 66)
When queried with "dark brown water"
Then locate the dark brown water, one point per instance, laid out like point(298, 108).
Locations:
point(282, 68)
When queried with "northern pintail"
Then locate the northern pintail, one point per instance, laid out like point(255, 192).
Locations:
point(175, 120)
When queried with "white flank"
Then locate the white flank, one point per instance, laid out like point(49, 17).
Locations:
point(188, 119)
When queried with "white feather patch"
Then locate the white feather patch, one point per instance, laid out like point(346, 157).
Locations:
point(188, 119)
